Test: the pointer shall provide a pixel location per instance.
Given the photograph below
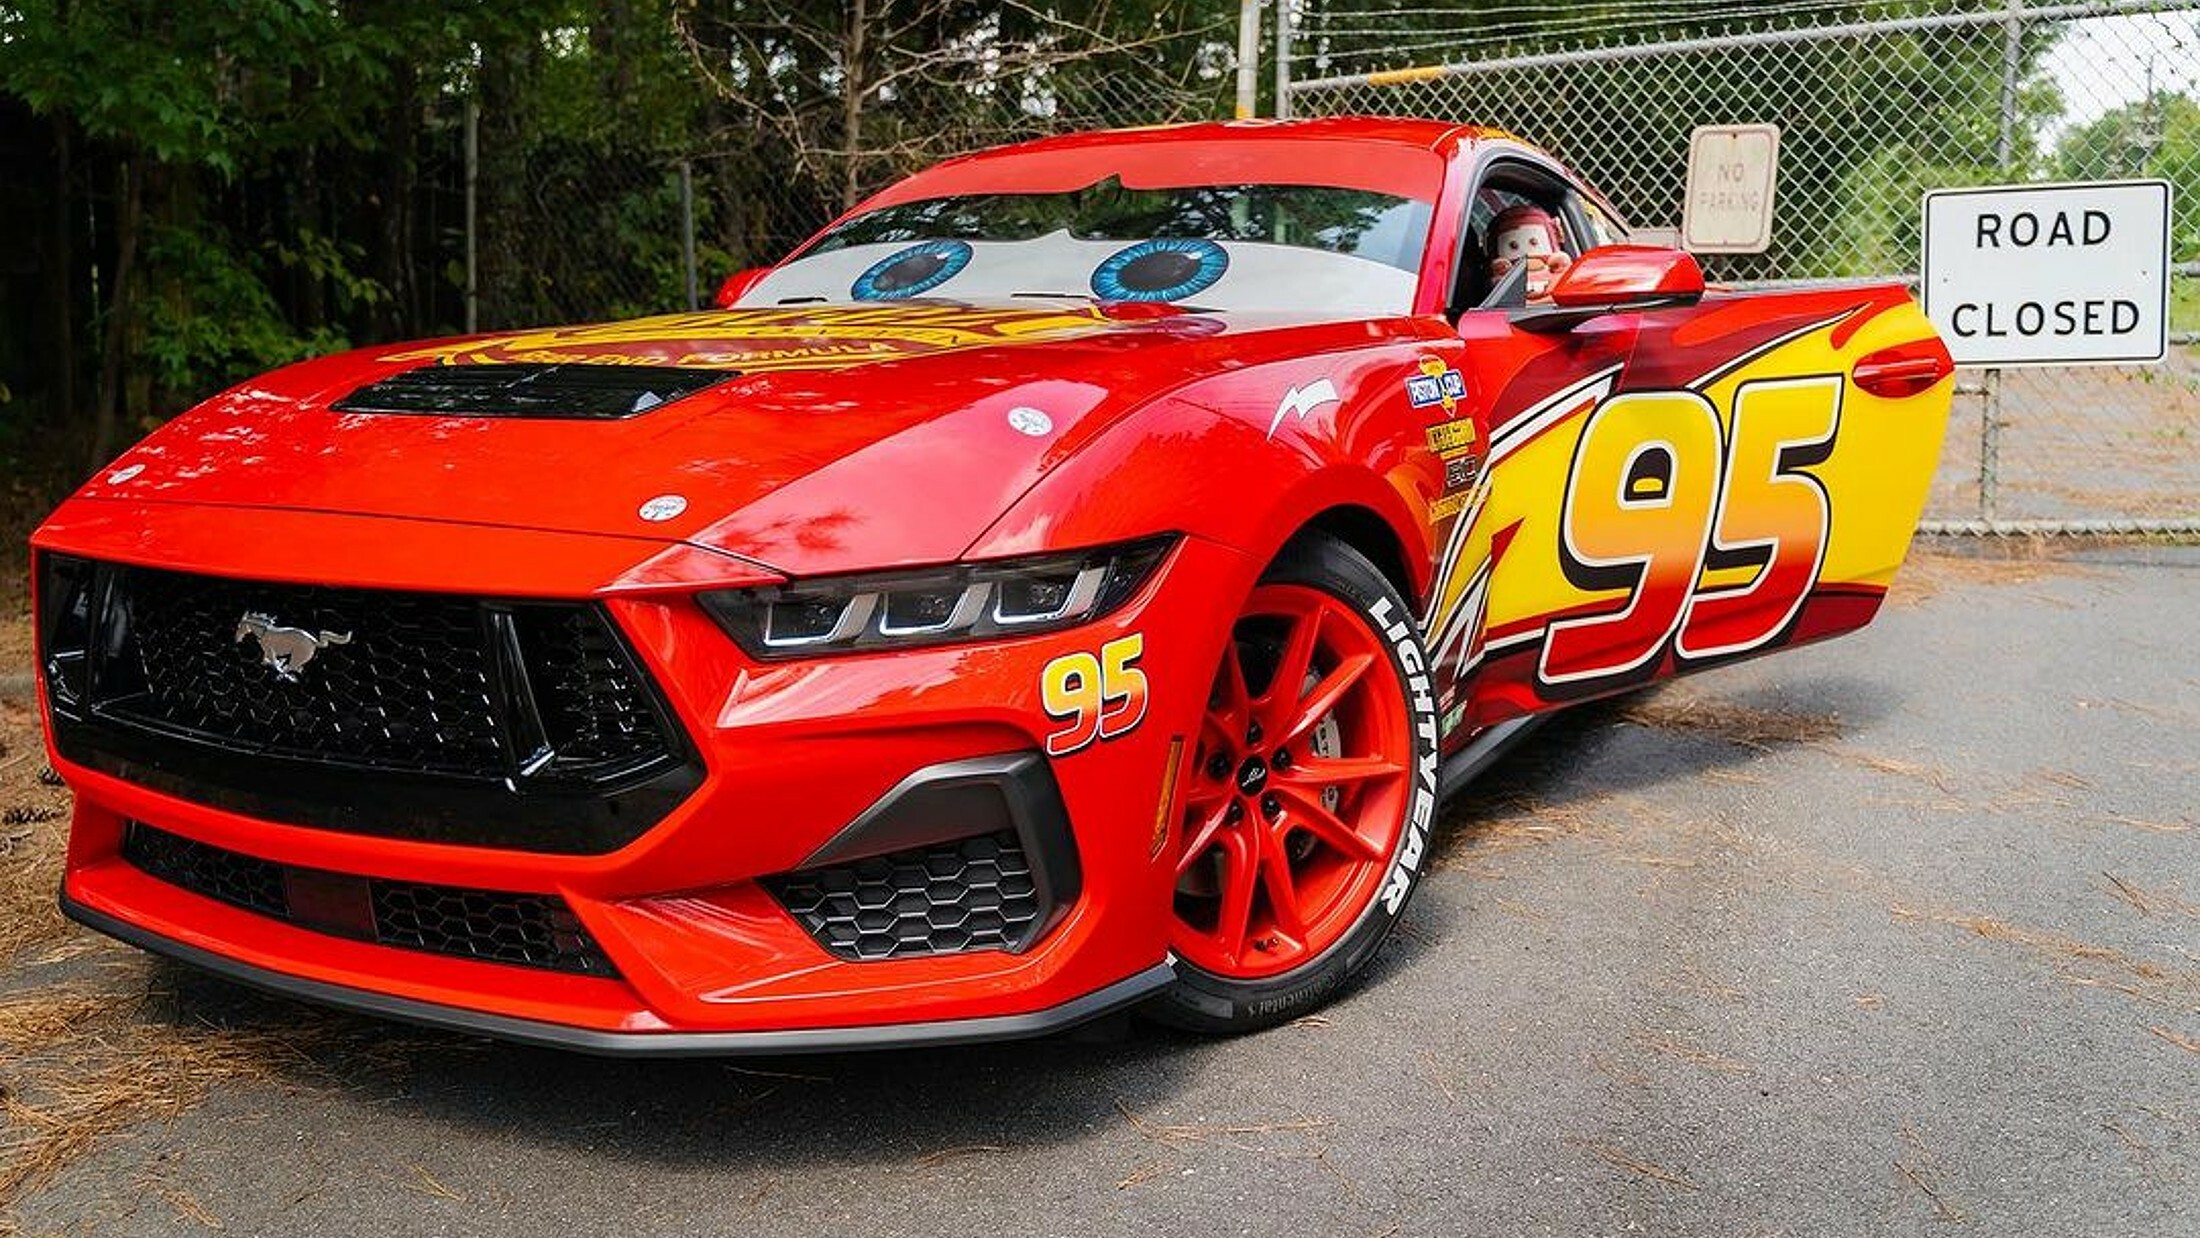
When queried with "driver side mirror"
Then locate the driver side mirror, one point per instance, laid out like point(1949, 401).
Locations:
point(1613, 278)
point(736, 284)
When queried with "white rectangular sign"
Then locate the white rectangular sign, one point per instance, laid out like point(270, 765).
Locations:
point(2073, 274)
point(1727, 208)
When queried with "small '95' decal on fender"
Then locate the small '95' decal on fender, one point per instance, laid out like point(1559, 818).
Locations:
point(1094, 696)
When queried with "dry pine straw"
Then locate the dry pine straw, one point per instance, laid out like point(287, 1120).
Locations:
point(85, 1058)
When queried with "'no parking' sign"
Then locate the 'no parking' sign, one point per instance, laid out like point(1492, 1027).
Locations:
point(2049, 274)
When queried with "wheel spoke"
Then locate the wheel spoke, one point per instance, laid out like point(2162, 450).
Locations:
point(1231, 679)
point(1225, 732)
point(1203, 837)
point(1315, 772)
point(1240, 873)
point(1283, 892)
point(1326, 694)
point(1280, 702)
point(1309, 813)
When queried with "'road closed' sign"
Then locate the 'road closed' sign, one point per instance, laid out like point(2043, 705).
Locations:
point(2049, 274)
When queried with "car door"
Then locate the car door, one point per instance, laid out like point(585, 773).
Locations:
point(1672, 488)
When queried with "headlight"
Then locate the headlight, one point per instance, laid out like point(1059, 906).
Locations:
point(931, 606)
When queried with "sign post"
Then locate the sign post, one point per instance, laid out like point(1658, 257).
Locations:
point(1732, 170)
point(2073, 274)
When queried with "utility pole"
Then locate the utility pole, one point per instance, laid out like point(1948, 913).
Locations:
point(1283, 59)
point(1248, 64)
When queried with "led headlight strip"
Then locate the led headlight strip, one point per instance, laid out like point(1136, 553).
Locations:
point(933, 606)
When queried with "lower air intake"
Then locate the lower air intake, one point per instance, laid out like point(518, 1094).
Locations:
point(493, 926)
point(970, 894)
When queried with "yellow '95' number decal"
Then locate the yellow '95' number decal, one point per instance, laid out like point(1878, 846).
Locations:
point(1659, 497)
point(1094, 697)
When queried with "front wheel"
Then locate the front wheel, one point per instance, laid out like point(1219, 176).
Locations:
point(1308, 800)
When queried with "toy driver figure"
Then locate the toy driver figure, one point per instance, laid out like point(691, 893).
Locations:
point(1527, 233)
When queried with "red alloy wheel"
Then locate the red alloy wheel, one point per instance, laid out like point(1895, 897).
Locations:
point(1297, 794)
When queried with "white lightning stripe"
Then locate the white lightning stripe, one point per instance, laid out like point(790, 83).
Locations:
point(1551, 410)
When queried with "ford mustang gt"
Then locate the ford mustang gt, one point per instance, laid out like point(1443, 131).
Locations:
point(1071, 580)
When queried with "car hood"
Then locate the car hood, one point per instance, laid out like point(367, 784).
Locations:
point(847, 437)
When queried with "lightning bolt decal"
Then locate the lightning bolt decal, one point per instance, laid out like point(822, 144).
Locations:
point(1300, 401)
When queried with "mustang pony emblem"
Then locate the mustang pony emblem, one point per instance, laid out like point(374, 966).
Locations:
point(285, 650)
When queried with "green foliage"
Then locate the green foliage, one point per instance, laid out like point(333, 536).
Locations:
point(217, 316)
point(2157, 137)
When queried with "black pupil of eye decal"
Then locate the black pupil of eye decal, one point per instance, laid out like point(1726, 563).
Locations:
point(911, 271)
point(1158, 270)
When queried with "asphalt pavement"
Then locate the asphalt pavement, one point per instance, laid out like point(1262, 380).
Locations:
point(1899, 934)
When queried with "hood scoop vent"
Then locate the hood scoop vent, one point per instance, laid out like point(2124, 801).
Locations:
point(563, 392)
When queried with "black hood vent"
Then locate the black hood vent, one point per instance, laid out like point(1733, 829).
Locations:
point(570, 391)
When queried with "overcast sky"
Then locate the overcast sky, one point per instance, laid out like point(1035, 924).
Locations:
point(2100, 64)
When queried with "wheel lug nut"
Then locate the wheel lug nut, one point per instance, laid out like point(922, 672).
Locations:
point(1234, 813)
point(1252, 732)
point(1270, 806)
point(1282, 759)
point(1218, 766)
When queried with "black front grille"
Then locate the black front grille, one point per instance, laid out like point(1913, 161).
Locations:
point(566, 391)
point(515, 723)
point(408, 686)
point(526, 930)
point(971, 894)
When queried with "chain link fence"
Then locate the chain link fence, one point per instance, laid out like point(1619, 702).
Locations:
point(562, 226)
point(1876, 102)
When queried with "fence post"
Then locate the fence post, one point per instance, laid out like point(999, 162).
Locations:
point(1283, 59)
point(2005, 154)
point(473, 169)
point(1248, 62)
point(687, 231)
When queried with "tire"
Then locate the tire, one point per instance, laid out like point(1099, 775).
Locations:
point(1304, 832)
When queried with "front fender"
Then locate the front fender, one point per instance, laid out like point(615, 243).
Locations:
point(1217, 473)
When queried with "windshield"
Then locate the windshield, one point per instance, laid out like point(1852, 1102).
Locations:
point(1238, 247)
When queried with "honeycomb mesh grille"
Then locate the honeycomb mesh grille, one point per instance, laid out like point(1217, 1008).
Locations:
point(594, 710)
point(390, 680)
point(526, 930)
point(227, 876)
point(971, 894)
point(408, 687)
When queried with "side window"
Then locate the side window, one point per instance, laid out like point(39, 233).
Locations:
point(1519, 238)
point(1602, 229)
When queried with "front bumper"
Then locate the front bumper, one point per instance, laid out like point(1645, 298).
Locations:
point(1114, 997)
point(707, 960)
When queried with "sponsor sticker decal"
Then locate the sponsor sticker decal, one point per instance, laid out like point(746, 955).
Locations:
point(662, 508)
point(1030, 421)
point(1460, 472)
point(1437, 383)
point(1451, 438)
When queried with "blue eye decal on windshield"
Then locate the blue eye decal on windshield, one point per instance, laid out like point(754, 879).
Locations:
point(912, 272)
point(1167, 269)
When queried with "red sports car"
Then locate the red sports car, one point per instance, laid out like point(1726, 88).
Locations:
point(1072, 579)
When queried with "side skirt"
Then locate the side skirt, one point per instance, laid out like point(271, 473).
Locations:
point(1467, 764)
